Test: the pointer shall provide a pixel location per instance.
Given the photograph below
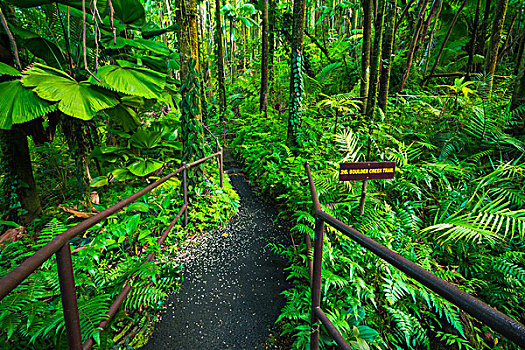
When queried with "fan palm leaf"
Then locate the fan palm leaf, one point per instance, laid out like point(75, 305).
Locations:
point(76, 99)
point(19, 105)
point(132, 80)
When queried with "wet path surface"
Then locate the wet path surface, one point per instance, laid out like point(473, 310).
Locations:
point(230, 297)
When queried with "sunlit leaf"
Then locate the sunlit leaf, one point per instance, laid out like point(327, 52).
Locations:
point(77, 99)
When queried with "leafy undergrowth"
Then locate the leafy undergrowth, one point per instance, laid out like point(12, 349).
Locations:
point(455, 207)
point(104, 258)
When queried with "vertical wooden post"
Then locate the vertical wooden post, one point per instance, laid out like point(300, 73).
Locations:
point(185, 191)
point(316, 283)
point(363, 196)
point(308, 260)
point(221, 161)
point(69, 297)
point(223, 132)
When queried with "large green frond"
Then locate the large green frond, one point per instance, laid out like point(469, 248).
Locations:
point(77, 99)
point(135, 81)
point(19, 105)
point(492, 223)
point(6, 69)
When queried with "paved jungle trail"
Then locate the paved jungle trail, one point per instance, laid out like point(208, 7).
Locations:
point(230, 297)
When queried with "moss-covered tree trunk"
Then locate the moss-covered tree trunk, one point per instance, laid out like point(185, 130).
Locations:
point(263, 103)
point(365, 49)
point(386, 55)
point(497, 28)
point(191, 115)
point(220, 60)
point(296, 76)
point(15, 152)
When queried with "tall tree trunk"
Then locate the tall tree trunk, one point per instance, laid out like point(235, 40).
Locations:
point(429, 46)
point(473, 40)
point(403, 14)
point(444, 42)
point(518, 98)
point(388, 44)
point(296, 76)
point(413, 44)
point(204, 68)
point(366, 46)
point(497, 27)
point(191, 114)
point(77, 136)
point(426, 25)
point(233, 47)
point(521, 49)
point(506, 45)
point(271, 38)
point(376, 57)
point(220, 60)
point(15, 152)
point(263, 105)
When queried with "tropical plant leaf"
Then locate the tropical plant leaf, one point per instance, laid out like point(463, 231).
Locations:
point(125, 112)
point(155, 47)
point(494, 222)
point(101, 5)
point(146, 139)
point(135, 81)
point(76, 99)
point(144, 167)
point(122, 174)
point(39, 46)
point(129, 11)
point(19, 105)
point(150, 30)
point(99, 181)
point(125, 116)
point(6, 69)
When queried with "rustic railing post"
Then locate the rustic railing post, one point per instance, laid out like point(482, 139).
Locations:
point(221, 163)
point(185, 191)
point(309, 262)
point(223, 132)
point(69, 297)
point(316, 282)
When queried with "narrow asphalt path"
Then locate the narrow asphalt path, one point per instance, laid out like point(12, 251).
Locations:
point(230, 297)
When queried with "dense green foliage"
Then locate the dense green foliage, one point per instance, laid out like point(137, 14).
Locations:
point(104, 258)
point(455, 207)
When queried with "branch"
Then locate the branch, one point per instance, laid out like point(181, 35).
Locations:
point(11, 39)
point(316, 42)
point(111, 12)
point(425, 80)
point(84, 40)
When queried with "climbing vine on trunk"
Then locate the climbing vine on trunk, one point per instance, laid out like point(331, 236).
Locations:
point(192, 130)
point(296, 76)
point(296, 99)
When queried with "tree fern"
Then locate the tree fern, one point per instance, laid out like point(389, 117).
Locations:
point(394, 289)
point(491, 222)
point(408, 327)
point(348, 144)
